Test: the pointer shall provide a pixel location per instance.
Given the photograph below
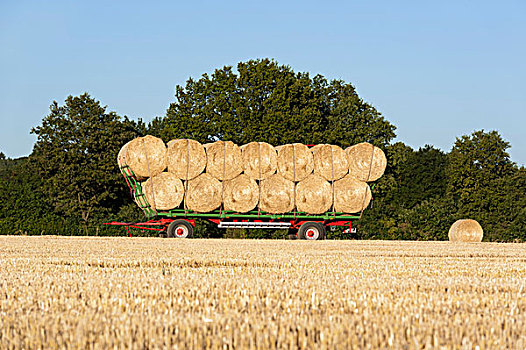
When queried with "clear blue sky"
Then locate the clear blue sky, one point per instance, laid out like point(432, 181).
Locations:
point(435, 69)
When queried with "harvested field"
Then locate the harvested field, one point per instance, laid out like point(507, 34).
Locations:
point(63, 292)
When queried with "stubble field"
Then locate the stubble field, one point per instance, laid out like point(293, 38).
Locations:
point(63, 292)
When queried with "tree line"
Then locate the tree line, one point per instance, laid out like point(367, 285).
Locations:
point(70, 183)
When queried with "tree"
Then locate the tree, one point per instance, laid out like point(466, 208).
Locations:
point(380, 221)
point(76, 151)
point(422, 177)
point(486, 185)
point(268, 102)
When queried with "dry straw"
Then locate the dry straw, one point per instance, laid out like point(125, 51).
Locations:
point(366, 162)
point(224, 160)
point(241, 194)
point(146, 156)
point(186, 158)
point(351, 195)
point(259, 160)
point(315, 149)
point(465, 230)
point(313, 195)
point(330, 162)
point(203, 194)
point(295, 161)
point(164, 191)
point(277, 195)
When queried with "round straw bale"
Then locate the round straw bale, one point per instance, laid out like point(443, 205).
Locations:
point(164, 191)
point(217, 163)
point(295, 161)
point(203, 193)
point(330, 162)
point(465, 230)
point(120, 156)
point(277, 195)
point(186, 158)
point(315, 149)
point(259, 160)
point(313, 195)
point(241, 194)
point(360, 161)
point(351, 195)
point(146, 156)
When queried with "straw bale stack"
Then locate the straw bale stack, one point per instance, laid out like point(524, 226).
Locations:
point(351, 195)
point(146, 156)
point(163, 191)
point(313, 195)
point(330, 162)
point(218, 164)
point(241, 194)
point(277, 195)
point(203, 193)
point(186, 158)
point(465, 230)
point(259, 160)
point(295, 161)
point(360, 165)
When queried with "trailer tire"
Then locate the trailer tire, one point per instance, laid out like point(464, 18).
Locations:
point(312, 231)
point(180, 229)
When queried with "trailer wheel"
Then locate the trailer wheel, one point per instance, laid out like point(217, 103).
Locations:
point(180, 229)
point(312, 231)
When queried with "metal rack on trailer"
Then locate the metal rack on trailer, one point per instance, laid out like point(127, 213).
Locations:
point(180, 223)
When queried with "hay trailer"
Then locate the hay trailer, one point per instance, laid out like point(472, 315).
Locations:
point(180, 223)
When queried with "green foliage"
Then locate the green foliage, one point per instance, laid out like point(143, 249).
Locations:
point(70, 184)
point(268, 102)
point(422, 177)
point(75, 152)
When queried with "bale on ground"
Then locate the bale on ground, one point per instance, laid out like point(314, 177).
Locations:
point(351, 195)
point(146, 156)
point(186, 158)
point(330, 162)
point(360, 165)
point(259, 160)
point(203, 193)
point(277, 195)
point(295, 161)
point(163, 191)
point(241, 194)
point(217, 164)
point(465, 230)
point(313, 195)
